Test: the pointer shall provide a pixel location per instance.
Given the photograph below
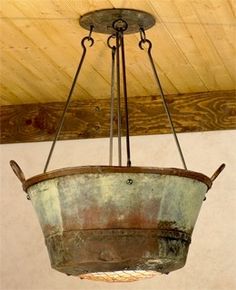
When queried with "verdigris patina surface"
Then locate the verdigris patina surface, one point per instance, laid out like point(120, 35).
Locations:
point(103, 219)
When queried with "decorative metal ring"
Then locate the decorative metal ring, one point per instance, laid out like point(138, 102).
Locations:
point(109, 41)
point(88, 38)
point(141, 42)
point(115, 23)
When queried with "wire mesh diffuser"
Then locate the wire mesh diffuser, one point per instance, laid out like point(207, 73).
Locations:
point(117, 223)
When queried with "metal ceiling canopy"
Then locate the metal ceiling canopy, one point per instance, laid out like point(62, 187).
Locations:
point(102, 20)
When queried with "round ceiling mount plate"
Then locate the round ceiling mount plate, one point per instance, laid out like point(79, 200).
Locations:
point(102, 20)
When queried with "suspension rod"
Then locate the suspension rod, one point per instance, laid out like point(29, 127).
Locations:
point(118, 97)
point(167, 111)
point(61, 122)
point(112, 105)
point(125, 99)
point(144, 40)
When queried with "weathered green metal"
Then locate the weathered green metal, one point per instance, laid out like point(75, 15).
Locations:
point(112, 219)
point(117, 223)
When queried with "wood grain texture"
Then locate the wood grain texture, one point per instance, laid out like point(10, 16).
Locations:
point(90, 118)
point(194, 49)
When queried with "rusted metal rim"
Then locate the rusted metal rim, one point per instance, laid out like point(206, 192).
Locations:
point(116, 169)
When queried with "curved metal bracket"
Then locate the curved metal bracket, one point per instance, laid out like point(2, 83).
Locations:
point(17, 170)
point(217, 172)
point(19, 173)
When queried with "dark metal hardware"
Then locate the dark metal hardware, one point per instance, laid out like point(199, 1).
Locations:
point(141, 42)
point(61, 122)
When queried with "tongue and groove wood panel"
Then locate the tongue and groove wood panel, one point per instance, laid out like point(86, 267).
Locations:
point(193, 48)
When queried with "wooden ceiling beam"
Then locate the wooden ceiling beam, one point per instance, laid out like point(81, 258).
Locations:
point(90, 118)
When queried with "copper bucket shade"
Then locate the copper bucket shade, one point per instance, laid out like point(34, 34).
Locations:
point(116, 223)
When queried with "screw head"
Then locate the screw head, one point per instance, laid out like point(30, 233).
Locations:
point(129, 181)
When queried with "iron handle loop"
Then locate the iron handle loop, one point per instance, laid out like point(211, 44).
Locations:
point(217, 172)
point(17, 170)
point(19, 173)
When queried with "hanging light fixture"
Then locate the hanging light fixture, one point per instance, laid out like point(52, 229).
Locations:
point(117, 223)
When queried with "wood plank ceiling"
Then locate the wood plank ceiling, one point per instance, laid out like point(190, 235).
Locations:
point(194, 44)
